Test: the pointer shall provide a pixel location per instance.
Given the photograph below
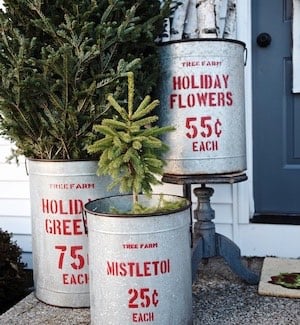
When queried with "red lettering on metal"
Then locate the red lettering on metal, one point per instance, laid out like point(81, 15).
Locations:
point(75, 279)
point(202, 81)
point(142, 317)
point(205, 146)
point(66, 227)
point(68, 207)
point(66, 186)
point(210, 96)
point(138, 269)
point(201, 99)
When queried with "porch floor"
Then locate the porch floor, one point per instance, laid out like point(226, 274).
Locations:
point(219, 298)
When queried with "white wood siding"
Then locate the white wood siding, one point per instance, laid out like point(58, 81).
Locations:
point(14, 201)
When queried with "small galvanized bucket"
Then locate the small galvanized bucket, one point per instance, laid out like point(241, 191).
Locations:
point(140, 265)
point(58, 191)
point(202, 96)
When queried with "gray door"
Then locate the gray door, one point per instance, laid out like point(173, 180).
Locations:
point(276, 111)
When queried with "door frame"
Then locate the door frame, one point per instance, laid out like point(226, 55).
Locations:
point(245, 189)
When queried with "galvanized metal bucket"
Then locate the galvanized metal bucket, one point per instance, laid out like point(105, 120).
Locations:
point(59, 190)
point(202, 96)
point(140, 265)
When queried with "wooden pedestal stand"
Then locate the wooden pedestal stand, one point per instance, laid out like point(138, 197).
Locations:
point(206, 242)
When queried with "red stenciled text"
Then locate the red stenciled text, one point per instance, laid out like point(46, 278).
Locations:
point(72, 186)
point(206, 128)
point(139, 246)
point(138, 269)
point(208, 63)
point(73, 257)
point(142, 298)
point(67, 227)
point(202, 81)
point(206, 90)
point(142, 317)
point(205, 146)
point(71, 207)
point(75, 279)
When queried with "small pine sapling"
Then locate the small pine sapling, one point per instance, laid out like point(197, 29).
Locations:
point(131, 150)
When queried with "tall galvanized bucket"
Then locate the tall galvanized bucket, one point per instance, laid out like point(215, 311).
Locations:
point(202, 96)
point(140, 265)
point(59, 190)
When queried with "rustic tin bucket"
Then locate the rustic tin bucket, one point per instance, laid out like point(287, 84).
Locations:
point(202, 96)
point(59, 190)
point(140, 265)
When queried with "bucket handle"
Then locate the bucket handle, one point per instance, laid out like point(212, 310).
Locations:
point(84, 221)
point(191, 229)
point(26, 168)
point(245, 56)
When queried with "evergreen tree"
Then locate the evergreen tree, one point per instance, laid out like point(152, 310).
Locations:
point(58, 60)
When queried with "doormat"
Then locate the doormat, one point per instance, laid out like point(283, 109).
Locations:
point(273, 266)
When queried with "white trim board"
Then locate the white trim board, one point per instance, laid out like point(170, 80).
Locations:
point(269, 240)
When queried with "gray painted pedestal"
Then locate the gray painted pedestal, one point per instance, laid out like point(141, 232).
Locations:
point(206, 242)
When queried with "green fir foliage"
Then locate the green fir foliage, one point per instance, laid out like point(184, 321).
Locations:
point(58, 61)
point(131, 150)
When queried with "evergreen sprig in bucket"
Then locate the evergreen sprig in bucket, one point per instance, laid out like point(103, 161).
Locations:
point(139, 250)
point(131, 149)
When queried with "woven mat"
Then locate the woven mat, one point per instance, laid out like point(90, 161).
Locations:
point(274, 266)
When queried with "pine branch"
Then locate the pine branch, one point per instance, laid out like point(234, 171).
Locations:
point(130, 151)
point(58, 62)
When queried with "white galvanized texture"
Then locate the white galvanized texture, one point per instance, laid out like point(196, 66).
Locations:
point(192, 59)
point(170, 293)
point(62, 183)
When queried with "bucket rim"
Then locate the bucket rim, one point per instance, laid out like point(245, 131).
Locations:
point(227, 40)
point(60, 160)
point(132, 215)
point(61, 168)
